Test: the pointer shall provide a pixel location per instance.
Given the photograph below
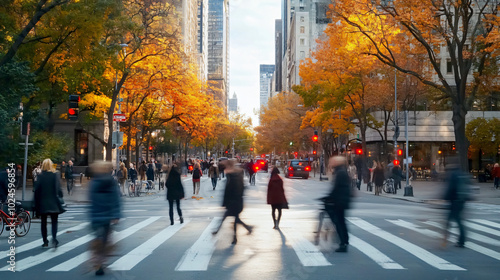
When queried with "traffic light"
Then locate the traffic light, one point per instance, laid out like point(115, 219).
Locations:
point(73, 107)
point(453, 146)
point(296, 154)
point(150, 148)
point(315, 136)
point(314, 152)
point(251, 149)
point(359, 151)
point(226, 152)
point(400, 152)
point(395, 162)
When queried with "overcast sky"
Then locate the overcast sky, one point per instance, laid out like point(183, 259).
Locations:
point(251, 44)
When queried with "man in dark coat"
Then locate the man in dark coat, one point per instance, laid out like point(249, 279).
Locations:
point(150, 174)
point(457, 193)
point(233, 197)
point(105, 209)
point(47, 203)
point(70, 182)
point(339, 200)
point(175, 192)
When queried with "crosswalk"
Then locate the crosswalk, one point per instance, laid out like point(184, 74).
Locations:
point(377, 241)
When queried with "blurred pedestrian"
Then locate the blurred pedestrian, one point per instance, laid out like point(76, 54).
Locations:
point(495, 174)
point(175, 192)
point(142, 170)
point(378, 177)
point(251, 172)
point(457, 193)
point(353, 174)
point(233, 197)
point(70, 181)
point(276, 196)
point(105, 211)
point(339, 200)
point(37, 169)
point(196, 179)
point(222, 168)
point(213, 173)
point(122, 177)
point(397, 175)
point(150, 174)
point(48, 200)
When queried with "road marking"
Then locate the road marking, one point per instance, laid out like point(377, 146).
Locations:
point(36, 243)
point(83, 257)
point(482, 228)
point(197, 257)
point(433, 234)
point(411, 248)
point(470, 235)
point(308, 254)
point(373, 253)
point(486, 222)
point(137, 255)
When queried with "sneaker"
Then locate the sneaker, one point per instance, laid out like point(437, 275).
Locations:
point(45, 244)
point(341, 249)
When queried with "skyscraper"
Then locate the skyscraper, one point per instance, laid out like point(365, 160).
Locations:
point(233, 103)
point(266, 74)
point(218, 47)
point(278, 54)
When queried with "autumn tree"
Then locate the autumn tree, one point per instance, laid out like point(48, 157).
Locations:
point(280, 124)
point(456, 35)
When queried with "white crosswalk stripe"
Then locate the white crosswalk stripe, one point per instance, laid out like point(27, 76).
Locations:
point(411, 248)
point(364, 237)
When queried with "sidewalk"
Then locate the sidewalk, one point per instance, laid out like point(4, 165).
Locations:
point(432, 191)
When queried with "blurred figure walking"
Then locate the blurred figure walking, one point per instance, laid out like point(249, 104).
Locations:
point(122, 177)
point(457, 193)
point(276, 196)
point(233, 197)
point(48, 200)
point(378, 177)
point(495, 174)
point(196, 179)
point(213, 173)
point(175, 192)
point(105, 210)
point(339, 200)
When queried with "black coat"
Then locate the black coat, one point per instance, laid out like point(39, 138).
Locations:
point(132, 174)
point(150, 173)
point(340, 196)
point(47, 191)
point(105, 203)
point(175, 190)
point(378, 176)
point(233, 194)
point(4, 185)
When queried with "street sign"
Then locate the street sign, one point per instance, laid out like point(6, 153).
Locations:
point(119, 117)
point(409, 160)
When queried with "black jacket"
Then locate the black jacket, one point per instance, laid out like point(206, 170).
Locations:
point(340, 196)
point(47, 191)
point(105, 203)
point(233, 194)
point(150, 173)
point(132, 174)
point(175, 190)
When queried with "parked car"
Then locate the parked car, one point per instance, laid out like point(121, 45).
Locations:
point(298, 168)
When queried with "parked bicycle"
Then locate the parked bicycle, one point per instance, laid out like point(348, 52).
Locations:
point(21, 220)
point(388, 186)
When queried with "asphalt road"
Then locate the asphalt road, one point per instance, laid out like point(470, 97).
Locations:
point(389, 239)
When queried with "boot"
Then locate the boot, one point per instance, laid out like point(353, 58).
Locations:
point(182, 220)
point(234, 240)
point(341, 249)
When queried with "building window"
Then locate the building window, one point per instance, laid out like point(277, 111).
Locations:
point(301, 19)
point(302, 42)
point(449, 68)
point(302, 29)
point(302, 54)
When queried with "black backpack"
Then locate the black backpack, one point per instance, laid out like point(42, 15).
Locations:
point(196, 174)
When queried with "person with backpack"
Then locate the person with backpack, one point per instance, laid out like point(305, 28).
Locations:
point(196, 179)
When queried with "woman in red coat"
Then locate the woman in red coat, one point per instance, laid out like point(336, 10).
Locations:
point(276, 196)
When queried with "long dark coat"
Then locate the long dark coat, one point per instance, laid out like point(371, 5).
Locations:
point(340, 196)
point(233, 194)
point(47, 191)
point(150, 173)
point(105, 203)
point(275, 191)
point(378, 176)
point(175, 190)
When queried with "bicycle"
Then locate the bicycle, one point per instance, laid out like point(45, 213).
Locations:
point(131, 188)
point(326, 229)
point(21, 220)
point(388, 186)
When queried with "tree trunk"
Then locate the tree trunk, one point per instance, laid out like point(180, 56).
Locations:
point(461, 141)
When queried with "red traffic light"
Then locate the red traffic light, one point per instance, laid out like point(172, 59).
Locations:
point(251, 149)
point(395, 162)
point(226, 152)
point(359, 151)
point(400, 152)
point(314, 152)
point(150, 148)
point(315, 138)
point(71, 112)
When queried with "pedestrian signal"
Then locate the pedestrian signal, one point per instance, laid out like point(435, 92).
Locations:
point(73, 109)
point(400, 152)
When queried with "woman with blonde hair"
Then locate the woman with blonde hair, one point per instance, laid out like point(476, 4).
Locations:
point(48, 200)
